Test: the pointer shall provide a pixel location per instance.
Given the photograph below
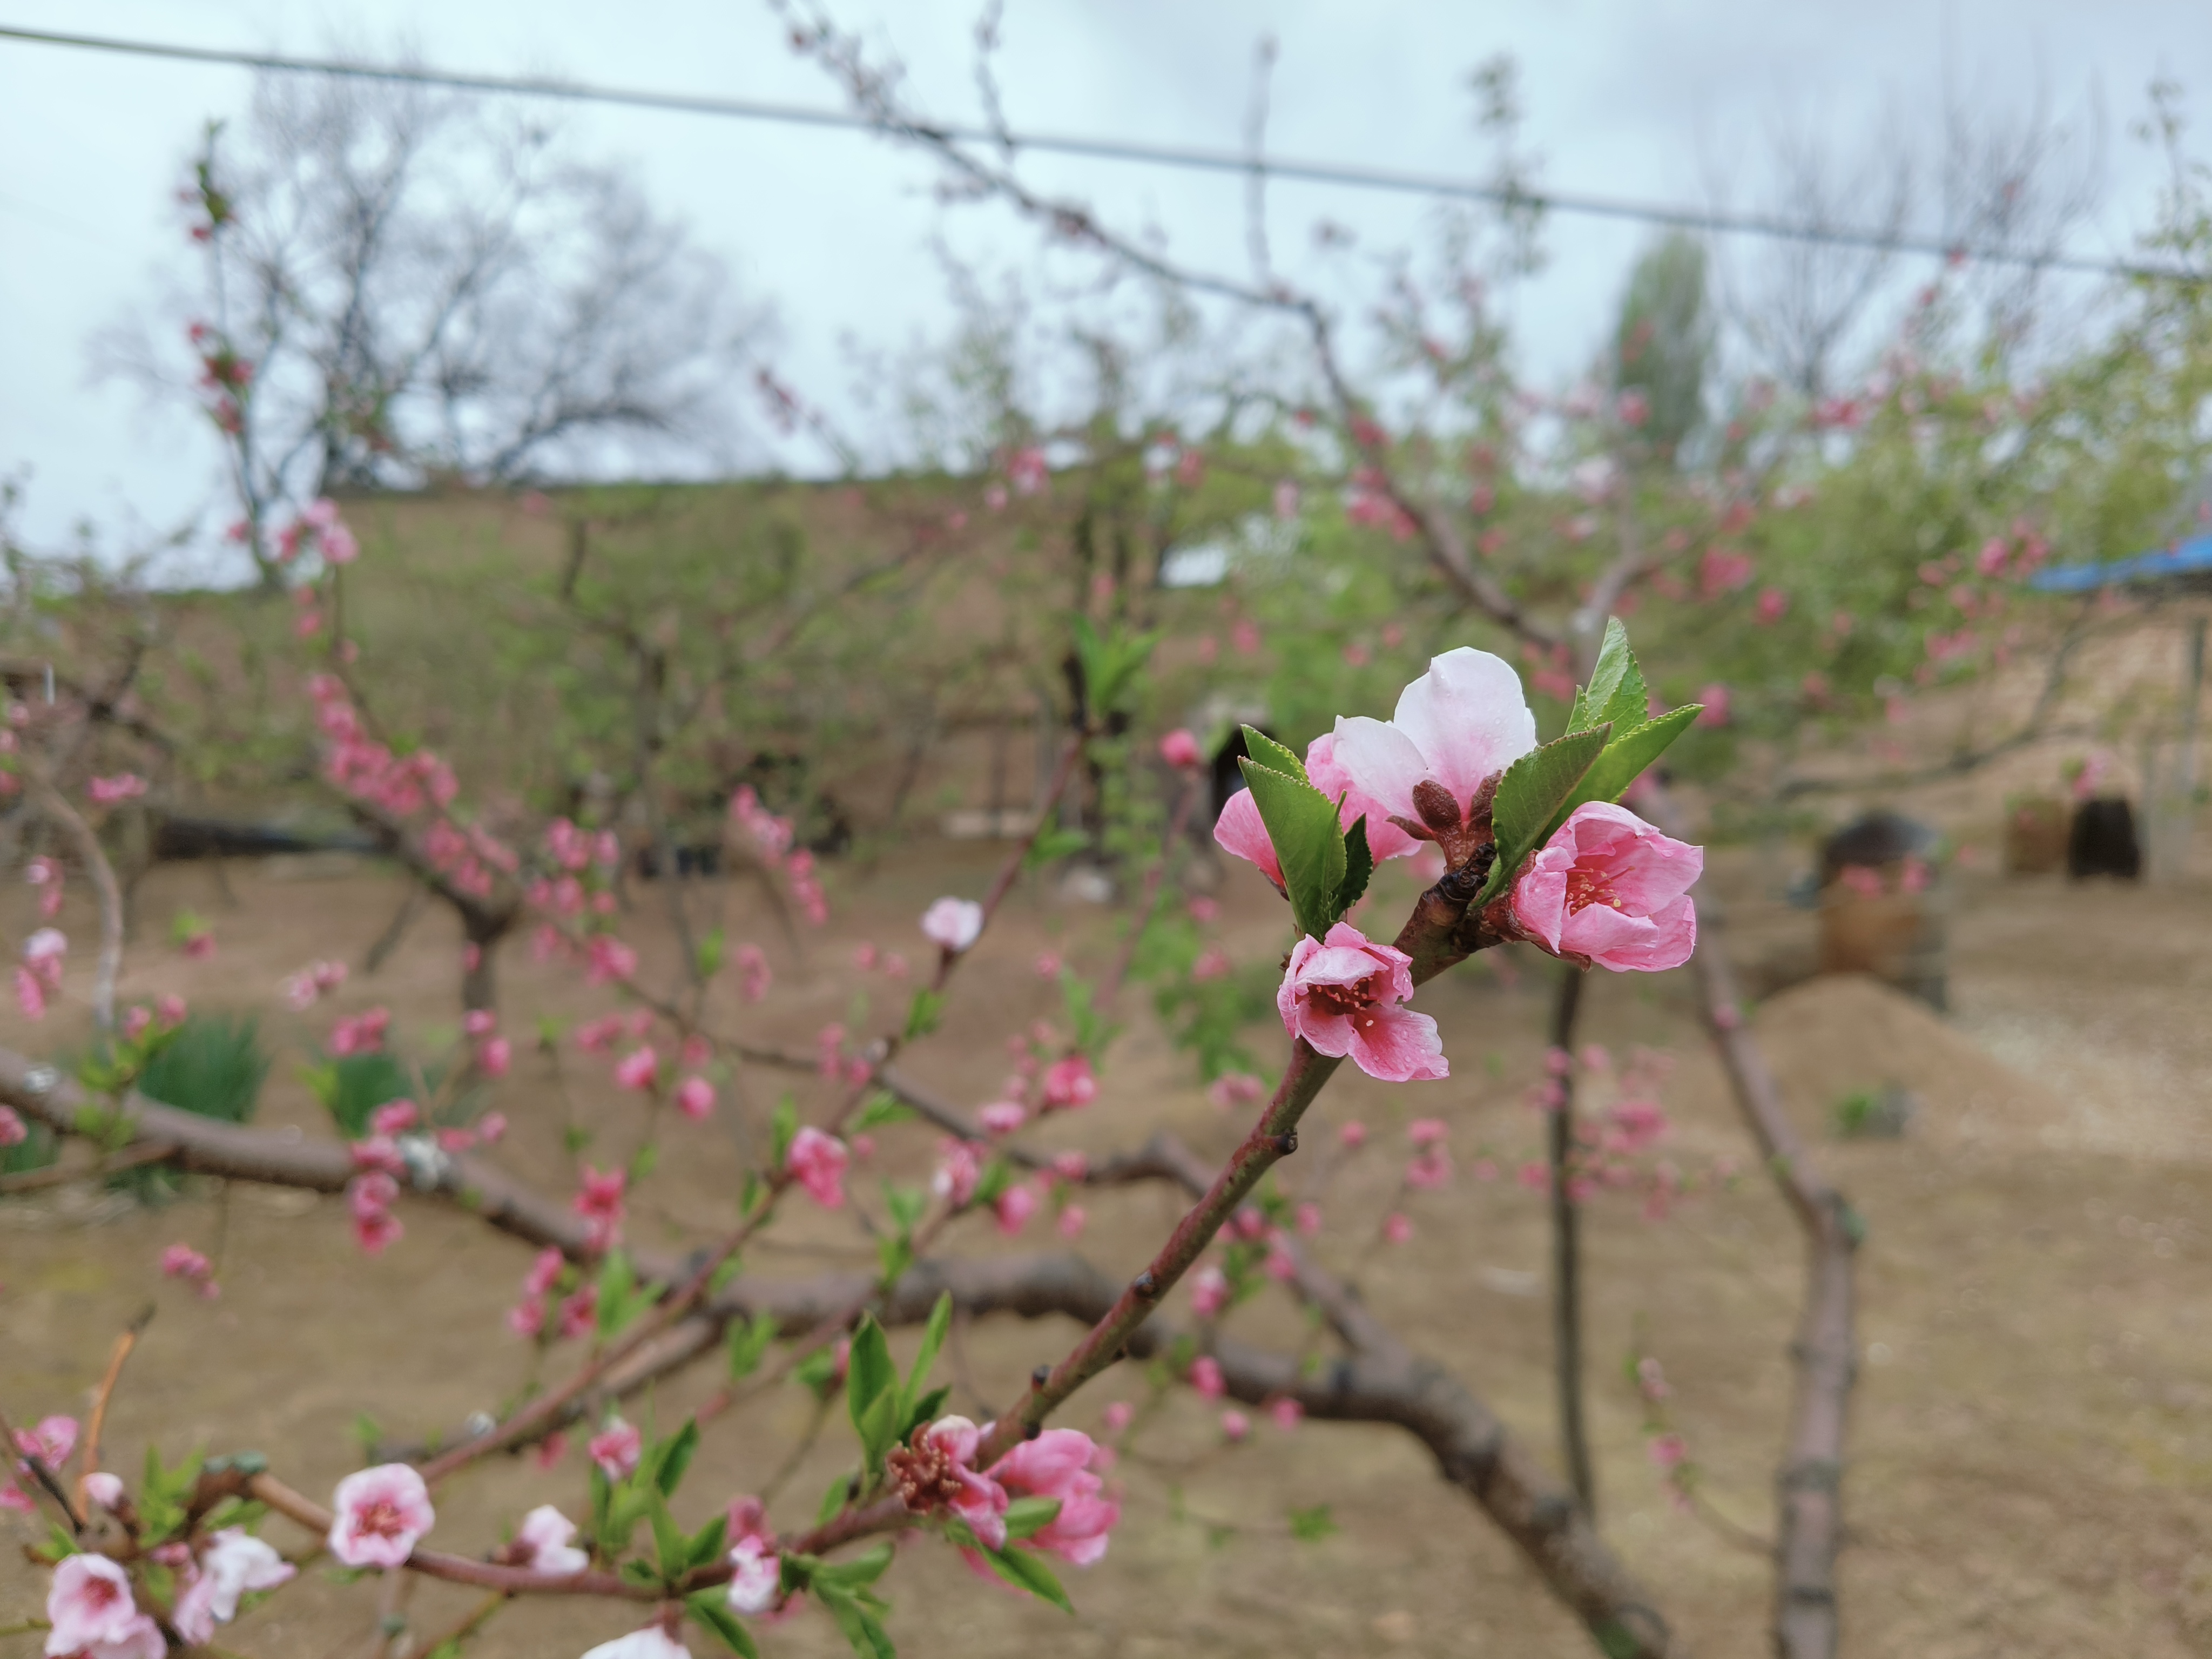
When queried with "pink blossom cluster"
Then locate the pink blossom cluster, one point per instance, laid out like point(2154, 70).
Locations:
point(39, 976)
point(1368, 501)
point(318, 529)
point(771, 837)
point(303, 990)
point(575, 1314)
point(44, 873)
point(369, 1198)
point(360, 1034)
point(937, 1476)
point(183, 1261)
point(51, 1442)
point(602, 1200)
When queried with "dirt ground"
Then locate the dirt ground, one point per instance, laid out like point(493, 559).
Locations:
point(2031, 1464)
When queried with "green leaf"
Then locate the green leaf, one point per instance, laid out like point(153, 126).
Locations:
point(923, 1012)
point(817, 1372)
point(1028, 1516)
point(675, 1457)
point(868, 1373)
point(924, 1410)
point(1054, 843)
point(1625, 759)
point(841, 1489)
point(749, 1341)
point(710, 954)
point(1527, 795)
point(893, 1257)
point(1026, 1572)
point(867, 1637)
point(1266, 752)
point(706, 1544)
point(906, 1205)
point(672, 1548)
point(1358, 866)
point(1616, 693)
point(856, 1574)
point(1302, 824)
point(932, 1339)
point(710, 1611)
point(997, 1176)
point(783, 1125)
point(879, 1109)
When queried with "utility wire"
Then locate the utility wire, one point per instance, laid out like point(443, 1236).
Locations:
point(1346, 174)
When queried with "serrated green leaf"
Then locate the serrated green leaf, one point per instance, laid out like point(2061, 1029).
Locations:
point(1616, 692)
point(1266, 751)
point(1625, 759)
point(1028, 1516)
point(710, 1611)
point(1027, 1572)
point(1358, 868)
point(1301, 822)
point(1529, 792)
point(675, 1457)
point(932, 1339)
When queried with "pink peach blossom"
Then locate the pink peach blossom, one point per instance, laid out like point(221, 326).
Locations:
point(104, 1489)
point(982, 1501)
point(958, 1171)
point(234, 1563)
point(1385, 839)
point(1455, 726)
point(1287, 1411)
point(638, 1070)
point(90, 1608)
point(1352, 1135)
point(1427, 1131)
point(1118, 1415)
point(108, 792)
point(1611, 889)
point(377, 1516)
point(599, 1199)
point(13, 1130)
point(1073, 1219)
point(1346, 995)
point(651, 1642)
point(954, 923)
point(1234, 1088)
point(1235, 1425)
point(394, 1117)
point(694, 1098)
point(757, 1577)
point(1206, 1376)
point(1209, 1291)
point(1003, 1117)
point(1014, 1207)
point(51, 1442)
point(1058, 1464)
point(495, 1057)
point(617, 1449)
point(1240, 830)
point(1179, 748)
point(543, 1542)
point(1070, 1083)
point(818, 1162)
point(1308, 1218)
point(1398, 1229)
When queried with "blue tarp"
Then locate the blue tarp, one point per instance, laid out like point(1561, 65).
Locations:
point(2189, 558)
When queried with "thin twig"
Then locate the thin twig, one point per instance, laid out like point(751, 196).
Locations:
point(98, 1418)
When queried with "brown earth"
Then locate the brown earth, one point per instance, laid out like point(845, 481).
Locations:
point(2032, 1447)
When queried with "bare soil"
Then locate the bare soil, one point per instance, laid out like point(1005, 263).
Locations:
point(2032, 1450)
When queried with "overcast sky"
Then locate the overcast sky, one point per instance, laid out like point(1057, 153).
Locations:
point(1653, 99)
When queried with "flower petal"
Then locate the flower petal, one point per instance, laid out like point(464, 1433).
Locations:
point(1381, 761)
point(1467, 717)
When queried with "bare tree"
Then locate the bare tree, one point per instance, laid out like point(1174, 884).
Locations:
point(401, 285)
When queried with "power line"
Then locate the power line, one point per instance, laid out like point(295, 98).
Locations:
point(1347, 175)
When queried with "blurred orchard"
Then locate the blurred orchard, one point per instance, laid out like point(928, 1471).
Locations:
point(762, 1066)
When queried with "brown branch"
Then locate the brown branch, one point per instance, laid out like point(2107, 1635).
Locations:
point(98, 1418)
point(1810, 1532)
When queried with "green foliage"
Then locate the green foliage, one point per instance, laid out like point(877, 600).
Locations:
point(622, 1300)
point(1112, 659)
point(748, 1342)
point(1664, 343)
point(1302, 824)
point(1310, 1526)
point(352, 1086)
point(1529, 794)
point(213, 1065)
